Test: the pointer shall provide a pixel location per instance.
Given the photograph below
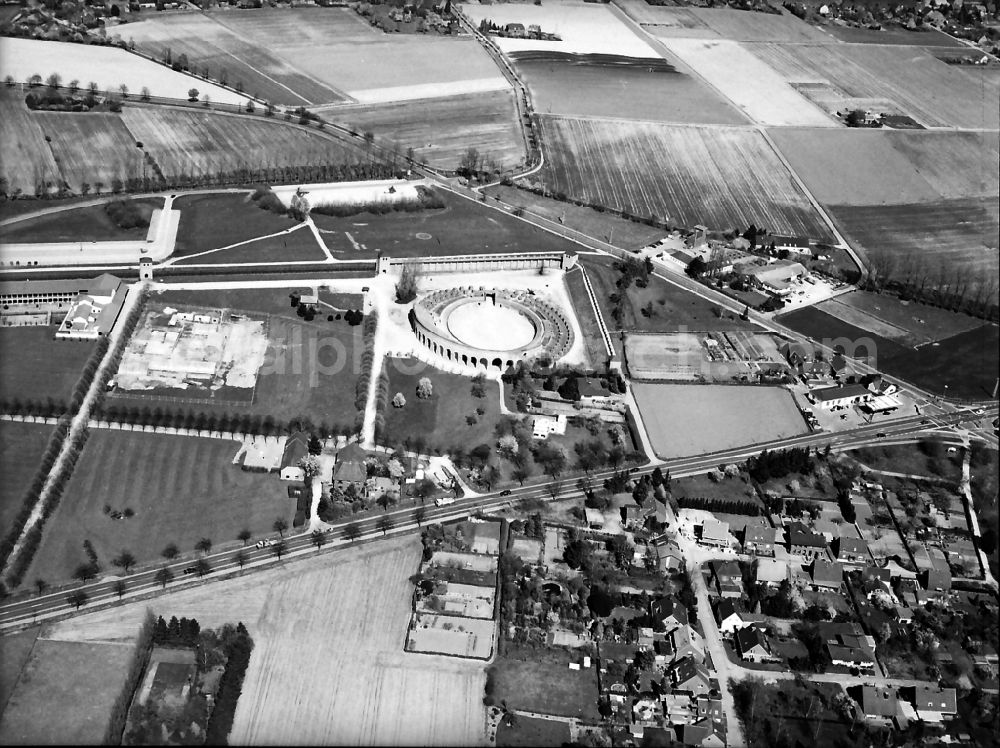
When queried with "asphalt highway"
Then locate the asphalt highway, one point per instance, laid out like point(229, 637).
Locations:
point(26, 608)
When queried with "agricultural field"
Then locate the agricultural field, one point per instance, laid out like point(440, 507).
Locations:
point(65, 692)
point(950, 235)
point(191, 142)
point(539, 680)
point(722, 178)
point(21, 448)
point(337, 48)
point(755, 88)
point(110, 154)
point(908, 80)
point(209, 497)
point(924, 36)
point(77, 224)
point(27, 351)
point(717, 417)
point(328, 635)
point(109, 67)
point(25, 158)
point(743, 26)
point(666, 20)
point(210, 46)
point(15, 649)
point(667, 93)
point(309, 370)
point(441, 130)
point(906, 322)
point(879, 166)
point(675, 310)
point(439, 420)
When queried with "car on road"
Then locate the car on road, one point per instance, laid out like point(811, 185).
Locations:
point(505, 492)
point(191, 570)
point(925, 421)
point(444, 501)
point(980, 411)
point(265, 543)
point(880, 435)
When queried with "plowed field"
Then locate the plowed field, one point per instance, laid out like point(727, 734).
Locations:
point(25, 157)
point(110, 150)
point(722, 178)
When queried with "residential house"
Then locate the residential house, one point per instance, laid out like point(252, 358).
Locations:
point(705, 733)
point(647, 711)
point(840, 396)
point(827, 528)
point(879, 704)
point(715, 533)
point(934, 704)
point(634, 516)
point(595, 518)
point(851, 551)
point(678, 709)
point(936, 579)
point(669, 558)
point(690, 676)
point(847, 645)
point(758, 540)
point(826, 575)
point(804, 542)
point(670, 612)
point(752, 644)
point(730, 616)
point(296, 447)
point(684, 642)
point(710, 708)
point(515, 30)
point(728, 578)
point(350, 470)
point(771, 572)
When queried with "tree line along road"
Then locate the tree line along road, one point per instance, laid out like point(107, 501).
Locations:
point(25, 609)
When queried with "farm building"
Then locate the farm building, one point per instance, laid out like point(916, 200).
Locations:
point(350, 468)
point(798, 245)
point(841, 396)
point(775, 277)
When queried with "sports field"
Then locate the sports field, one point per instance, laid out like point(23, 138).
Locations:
point(720, 177)
point(180, 488)
point(25, 158)
point(879, 166)
point(715, 417)
point(755, 88)
point(441, 130)
point(65, 692)
point(912, 80)
point(328, 652)
point(195, 143)
point(21, 447)
point(109, 67)
point(620, 91)
point(337, 48)
point(27, 351)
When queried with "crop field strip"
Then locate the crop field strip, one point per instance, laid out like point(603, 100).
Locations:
point(441, 130)
point(189, 142)
point(744, 26)
point(25, 157)
point(110, 151)
point(721, 177)
point(932, 92)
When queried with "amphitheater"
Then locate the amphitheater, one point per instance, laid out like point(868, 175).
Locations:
point(491, 327)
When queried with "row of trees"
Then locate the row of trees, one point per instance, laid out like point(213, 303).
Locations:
point(779, 463)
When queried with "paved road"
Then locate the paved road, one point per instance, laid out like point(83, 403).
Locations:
point(24, 608)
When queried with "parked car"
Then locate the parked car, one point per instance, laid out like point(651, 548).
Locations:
point(505, 492)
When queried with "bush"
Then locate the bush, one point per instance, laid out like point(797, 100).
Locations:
point(230, 687)
point(126, 214)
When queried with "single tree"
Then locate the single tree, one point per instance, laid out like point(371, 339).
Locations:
point(240, 557)
point(351, 532)
point(164, 576)
point(202, 567)
point(423, 489)
point(398, 400)
point(425, 388)
point(280, 525)
point(245, 535)
point(120, 588)
point(145, 95)
point(77, 598)
point(406, 286)
point(85, 572)
point(521, 473)
point(385, 501)
point(204, 545)
point(318, 538)
point(193, 94)
point(279, 548)
point(41, 585)
point(384, 524)
point(419, 515)
point(170, 552)
point(125, 560)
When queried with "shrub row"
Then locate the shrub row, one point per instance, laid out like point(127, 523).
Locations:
point(140, 659)
point(367, 362)
point(381, 401)
point(230, 687)
point(726, 506)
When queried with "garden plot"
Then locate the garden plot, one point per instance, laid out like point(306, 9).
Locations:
point(327, 666)
point(685, 420)
point(699, 357)
point(451, 635)
point(109, 67)
point(456, 599)
point(760, 92)
point(203, 349)
point(914, 82)
point(723, 178)
point(585, 29)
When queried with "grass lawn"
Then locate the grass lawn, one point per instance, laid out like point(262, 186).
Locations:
point(66, 692)
point(217, 220)
point(674, 309)
point(440, 420)
point(80, 224)
point(14, 652)
point(180, 488)
point(21, 447)
point(36, 366)
point(529, 731)
point(777, 716)
point(586, 315)
point(309, 371)
point(930, 459)
point(700, 486)
point(461, 227)
point(299, 245)
point(539, 680)
point(606, 227)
